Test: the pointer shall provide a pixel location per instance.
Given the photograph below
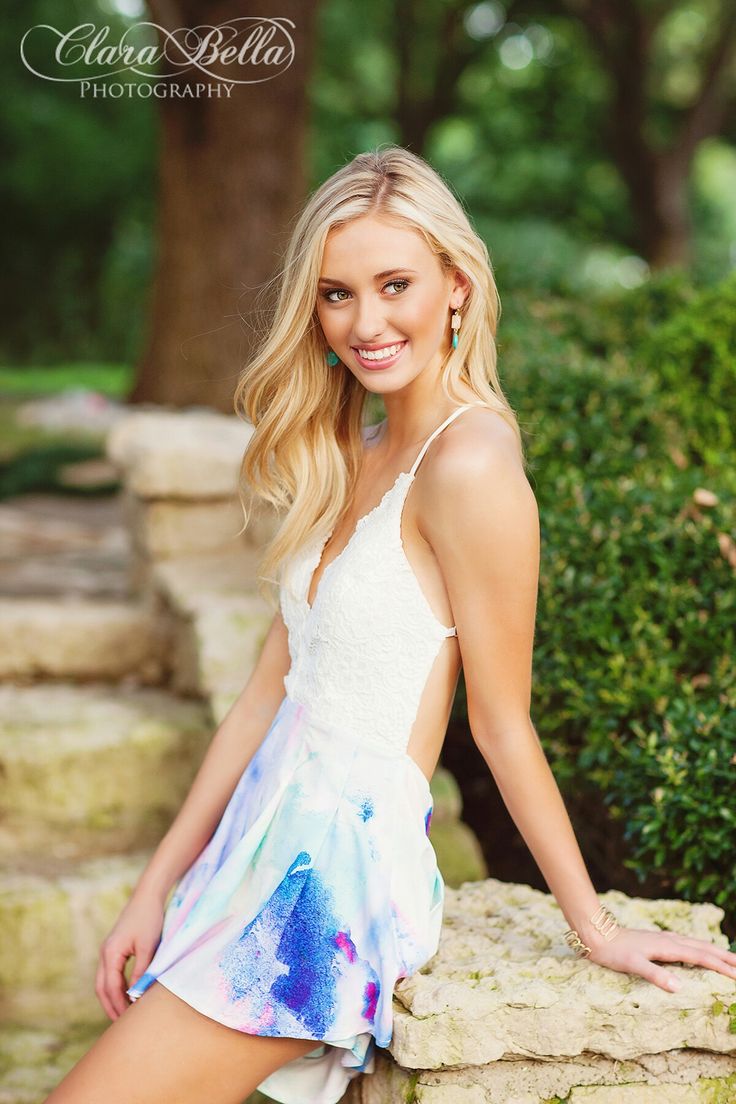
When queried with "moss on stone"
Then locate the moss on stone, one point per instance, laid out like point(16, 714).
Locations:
point(675, 915)
point(718, 1090)
point(410, 1092)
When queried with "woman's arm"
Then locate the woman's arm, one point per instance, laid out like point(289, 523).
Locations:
point(480, 516)
point(233, 745)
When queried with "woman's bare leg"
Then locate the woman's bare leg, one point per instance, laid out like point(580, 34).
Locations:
point(162, 1051)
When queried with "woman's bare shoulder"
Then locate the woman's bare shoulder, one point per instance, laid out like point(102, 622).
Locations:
point(478, 443)
point(473, 469)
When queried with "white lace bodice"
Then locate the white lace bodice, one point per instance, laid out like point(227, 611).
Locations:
point(362, 653)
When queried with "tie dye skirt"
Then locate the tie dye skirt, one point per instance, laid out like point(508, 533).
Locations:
point(317, 891)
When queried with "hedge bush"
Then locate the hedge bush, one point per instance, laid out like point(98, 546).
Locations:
point(580, 413)
point(616, 321)
point(693, 357)
point(634, 691)
point(635, 680)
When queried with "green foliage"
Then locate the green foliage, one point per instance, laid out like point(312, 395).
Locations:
point(525, 147)
point(584, 414)
point(40, 469)
point(635, 682)
point(634, 692)
point(693, 356)
point(77, 191)
point(113, 380)
point(618, 321)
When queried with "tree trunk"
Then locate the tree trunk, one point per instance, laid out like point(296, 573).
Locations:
point(231, 177)
point(657, 176)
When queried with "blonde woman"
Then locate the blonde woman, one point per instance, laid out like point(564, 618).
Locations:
point(305, 883)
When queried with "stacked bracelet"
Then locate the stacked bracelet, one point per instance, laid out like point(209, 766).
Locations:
point(603, 921)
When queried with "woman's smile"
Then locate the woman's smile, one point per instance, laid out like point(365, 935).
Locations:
point(382, 357)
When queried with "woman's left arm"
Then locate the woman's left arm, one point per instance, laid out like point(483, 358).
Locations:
point(480, 516)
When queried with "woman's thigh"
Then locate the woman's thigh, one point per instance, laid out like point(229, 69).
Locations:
point(162, 1051)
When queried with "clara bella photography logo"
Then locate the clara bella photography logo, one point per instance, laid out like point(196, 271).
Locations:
point(247, 50)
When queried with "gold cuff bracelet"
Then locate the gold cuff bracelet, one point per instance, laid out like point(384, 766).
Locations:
point(603, 921)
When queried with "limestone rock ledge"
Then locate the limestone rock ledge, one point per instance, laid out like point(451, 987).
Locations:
point(505, 1013)
point(184, 454)
point(676, 1077)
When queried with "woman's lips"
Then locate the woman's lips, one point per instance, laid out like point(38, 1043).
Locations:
point(386, 362)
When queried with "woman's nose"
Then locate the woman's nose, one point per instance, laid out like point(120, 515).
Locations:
point(369, 323)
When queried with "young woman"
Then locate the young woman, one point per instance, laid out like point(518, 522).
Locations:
point(305, 883)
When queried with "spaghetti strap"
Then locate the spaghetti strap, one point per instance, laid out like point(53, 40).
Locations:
point(437, 431)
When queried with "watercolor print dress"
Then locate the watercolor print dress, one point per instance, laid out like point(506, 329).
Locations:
point(319, 888)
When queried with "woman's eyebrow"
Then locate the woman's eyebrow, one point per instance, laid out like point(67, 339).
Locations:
point(378, 276)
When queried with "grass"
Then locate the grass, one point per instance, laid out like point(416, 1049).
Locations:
point(113, 380)
point(30, 456)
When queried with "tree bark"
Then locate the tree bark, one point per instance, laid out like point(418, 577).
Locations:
point(657, 176)
point(231, 177)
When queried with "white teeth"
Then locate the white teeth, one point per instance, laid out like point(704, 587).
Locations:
point(380, 354)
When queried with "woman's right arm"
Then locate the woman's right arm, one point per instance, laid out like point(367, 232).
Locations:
point(233, 745)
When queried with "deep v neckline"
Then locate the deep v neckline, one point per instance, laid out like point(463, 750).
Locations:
point(314, 563)
point(323, 544)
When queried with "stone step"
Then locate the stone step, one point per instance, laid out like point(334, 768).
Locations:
point(54, 915)
point(459, 854)
point(87, 770)
point(163, 529)
point(34, 1060)
point(681, 1076)
point(506, 1007)
point(194, 453)
point(78, 638)
point(219, 622)
point(56, 545)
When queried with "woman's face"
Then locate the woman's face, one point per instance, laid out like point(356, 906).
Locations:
point(381, 287)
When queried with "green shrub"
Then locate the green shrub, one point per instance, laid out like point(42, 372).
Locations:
point(635, 681)
point(693, 356)
point(611, 322)
point(579, 412)
point(634, 690)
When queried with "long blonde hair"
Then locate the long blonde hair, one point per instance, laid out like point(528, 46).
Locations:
point(305, 453)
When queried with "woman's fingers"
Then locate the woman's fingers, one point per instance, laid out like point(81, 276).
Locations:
point(116, 984)
point(100, 990)
point(658, 975)
point(143, 955)
point(640, 951)
point(666, 946)
point(723, 953)
point(671, 947)
point(111, 985)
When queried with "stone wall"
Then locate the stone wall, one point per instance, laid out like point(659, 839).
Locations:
point(505, 1013)
point(110, 690)
point(106, 708)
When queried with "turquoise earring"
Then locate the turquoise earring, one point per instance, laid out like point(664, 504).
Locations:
point(332, 358)
point(455, 323)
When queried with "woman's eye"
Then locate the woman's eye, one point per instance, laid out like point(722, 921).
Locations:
point(341, 291)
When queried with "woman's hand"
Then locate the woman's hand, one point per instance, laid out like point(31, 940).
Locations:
point(634, 951)
point(136, 932)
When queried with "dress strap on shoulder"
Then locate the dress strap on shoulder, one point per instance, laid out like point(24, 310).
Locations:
point(437, 431)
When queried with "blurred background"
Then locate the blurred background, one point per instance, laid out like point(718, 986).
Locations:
point(593, 144)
